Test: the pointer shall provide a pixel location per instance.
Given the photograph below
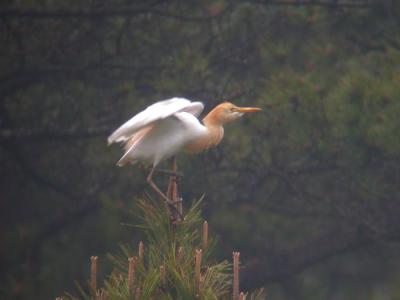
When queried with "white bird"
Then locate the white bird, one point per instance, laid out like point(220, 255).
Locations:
point(166, 127)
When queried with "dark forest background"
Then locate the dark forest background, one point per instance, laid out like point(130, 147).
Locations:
point(307, 190)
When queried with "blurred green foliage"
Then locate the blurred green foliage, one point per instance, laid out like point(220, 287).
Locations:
point(172, 247)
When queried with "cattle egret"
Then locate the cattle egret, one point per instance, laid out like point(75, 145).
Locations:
point(167, 127)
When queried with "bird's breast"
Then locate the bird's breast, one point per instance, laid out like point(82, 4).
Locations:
point(212, 137)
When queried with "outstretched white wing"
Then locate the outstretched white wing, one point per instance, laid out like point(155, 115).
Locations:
point(163, 139)
point(156, 112)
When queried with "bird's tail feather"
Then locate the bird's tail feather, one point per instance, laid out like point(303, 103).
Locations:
point(124, 160)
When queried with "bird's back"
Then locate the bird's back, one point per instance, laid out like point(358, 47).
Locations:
point(158, 111)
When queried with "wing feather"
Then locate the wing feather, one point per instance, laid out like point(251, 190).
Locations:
point(155, 112)
point(163, 139)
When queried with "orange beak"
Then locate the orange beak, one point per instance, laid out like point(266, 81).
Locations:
point(248, 109)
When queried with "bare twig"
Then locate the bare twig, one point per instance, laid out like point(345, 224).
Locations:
point(137, 293)
point(131, 273)
point(179, 255)
point(197, 267)
point(205, 235)
point(162, 275)
point(141, 253)
point(235, 293)
point(93, 274)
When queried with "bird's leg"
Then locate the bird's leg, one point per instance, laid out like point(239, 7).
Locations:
point(177, 174)
point(159, 192)
point(155, 187)
point(172, 191)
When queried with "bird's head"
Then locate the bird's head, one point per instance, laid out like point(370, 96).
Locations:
point(227, 112)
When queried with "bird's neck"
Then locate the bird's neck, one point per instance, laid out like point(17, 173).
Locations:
point(215, 132)
point(213, 119)
point(212, 136)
